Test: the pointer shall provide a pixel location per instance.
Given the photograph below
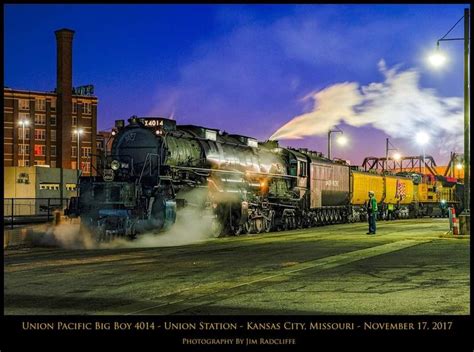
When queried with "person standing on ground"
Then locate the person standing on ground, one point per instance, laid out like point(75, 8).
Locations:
point(372, 213)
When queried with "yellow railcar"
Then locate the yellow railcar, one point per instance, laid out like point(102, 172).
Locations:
point(398, 190)
point(362, 183)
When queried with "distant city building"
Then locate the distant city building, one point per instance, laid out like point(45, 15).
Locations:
point(104, 142)
point(37, 142)
point(41, 128)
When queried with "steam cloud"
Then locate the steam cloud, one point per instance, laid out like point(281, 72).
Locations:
point(192, 225)
point(398, 106)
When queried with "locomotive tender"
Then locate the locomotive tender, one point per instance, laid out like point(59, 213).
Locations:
point(157, 167)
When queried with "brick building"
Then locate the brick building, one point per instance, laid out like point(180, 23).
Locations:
point(40, 126)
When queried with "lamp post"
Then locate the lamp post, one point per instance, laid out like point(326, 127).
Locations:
point(337, 130)
point(387, 148)
point(436, 61)
point(78, 132)
point(422, 138)
point(24, 123)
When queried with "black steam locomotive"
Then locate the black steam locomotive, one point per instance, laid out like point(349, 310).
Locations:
point(157, 167)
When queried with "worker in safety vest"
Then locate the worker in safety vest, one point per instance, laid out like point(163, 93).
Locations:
point(372, 213)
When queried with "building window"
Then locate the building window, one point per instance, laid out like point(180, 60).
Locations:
point(86, 108)
point(74, 152)
point(73, 165)
point(20, 162)
point(53, 135)
point(40, 150)
point(53, 150)
point(53, 104)
point(86, 167)
point(40, 135)
point(74, 121)
point(39, 162)
point(20, 133)
point(71, 186)
point(74, 108)
point(40, 104)
point(50, 186)
point(24, 104)
point(25, 147)
point(22, 116)
point(52, 120)
point(40, 119)
point(86, 151)
point(53, 163)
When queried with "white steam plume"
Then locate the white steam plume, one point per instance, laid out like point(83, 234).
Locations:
point(398, 106)
point(193, 225)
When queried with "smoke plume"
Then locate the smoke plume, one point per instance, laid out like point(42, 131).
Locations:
point(398, 106)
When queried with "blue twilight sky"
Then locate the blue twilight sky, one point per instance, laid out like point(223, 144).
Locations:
point(251, 69)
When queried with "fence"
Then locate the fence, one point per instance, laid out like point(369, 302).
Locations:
point(30, 210)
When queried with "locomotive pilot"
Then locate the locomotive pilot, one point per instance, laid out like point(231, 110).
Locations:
point(372, 213)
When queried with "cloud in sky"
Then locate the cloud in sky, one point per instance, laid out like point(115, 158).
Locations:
point(398, 106)
point(250, 77)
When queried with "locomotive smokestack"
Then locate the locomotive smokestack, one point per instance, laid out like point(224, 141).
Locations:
point(64, 95)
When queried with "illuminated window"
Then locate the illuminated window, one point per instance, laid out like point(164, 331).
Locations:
point(40, 135)
point(86, 108)
point(53, 104)
point(24, 104)
point(53, 135)
point(25, 147)
point(86, 167)
point(71, 186)
point(20, 133)
point(40, 119)
point(40, 150)
point(53, 150)
point(73, 164)
point(40, 104)
point(86, 151)
point(20, 162)
point(39, 162)
point(49, 186)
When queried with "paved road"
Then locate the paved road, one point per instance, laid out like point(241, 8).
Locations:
point(409, 267)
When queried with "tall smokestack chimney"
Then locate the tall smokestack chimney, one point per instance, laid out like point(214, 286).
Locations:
point(64, 96)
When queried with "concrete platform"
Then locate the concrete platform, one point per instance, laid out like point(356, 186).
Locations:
point(411, 267)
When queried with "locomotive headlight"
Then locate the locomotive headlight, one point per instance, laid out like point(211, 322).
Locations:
point(115, 165)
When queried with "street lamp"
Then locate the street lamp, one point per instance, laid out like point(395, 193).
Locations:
point(422, 138)
point(341, 140)
point(24, 123)
point(466, 104)
point(78, 132)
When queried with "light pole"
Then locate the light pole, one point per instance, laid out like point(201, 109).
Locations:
point(437, 60)
point(387, 148)
point(78, 132)
point(422, 138)
point(342, 140)
point(24, 123)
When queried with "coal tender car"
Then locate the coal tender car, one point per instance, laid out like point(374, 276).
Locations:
point(156, 168)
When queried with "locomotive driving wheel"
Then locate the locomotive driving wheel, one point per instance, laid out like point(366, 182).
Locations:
point(259, 225)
